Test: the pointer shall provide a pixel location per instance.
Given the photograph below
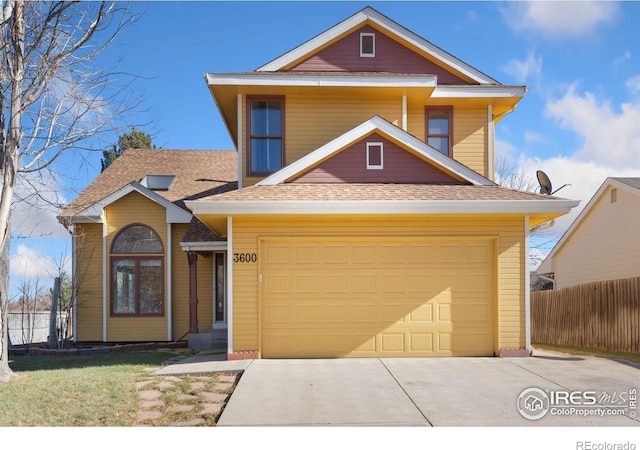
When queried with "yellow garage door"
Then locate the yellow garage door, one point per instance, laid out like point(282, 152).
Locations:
point(377, 297)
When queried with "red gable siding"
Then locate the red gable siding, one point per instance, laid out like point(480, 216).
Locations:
point(390, 56)
point(400, 166)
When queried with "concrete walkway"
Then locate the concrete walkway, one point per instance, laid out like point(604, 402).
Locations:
point(205, 363)
point(416, 391)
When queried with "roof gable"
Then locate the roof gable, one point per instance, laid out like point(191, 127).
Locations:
point(388, 131)
point(395, 165)
point(630, 185)
point(94, 213)
point(391, 56)
point(372, 18)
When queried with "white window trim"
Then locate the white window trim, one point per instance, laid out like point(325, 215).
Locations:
point(368, 55)
point(375, 166)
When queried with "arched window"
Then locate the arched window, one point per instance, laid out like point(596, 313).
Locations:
point(137, 275)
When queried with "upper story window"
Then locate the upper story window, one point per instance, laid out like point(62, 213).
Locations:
point(266, 135)
point(137, 276)
point(439, 128)
point(367, 45)
point(375, 157)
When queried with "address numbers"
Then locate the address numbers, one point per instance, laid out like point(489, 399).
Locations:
point(245, 257)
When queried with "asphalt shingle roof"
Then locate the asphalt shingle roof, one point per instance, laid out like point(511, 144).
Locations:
point(199, 173)
point(633, 182)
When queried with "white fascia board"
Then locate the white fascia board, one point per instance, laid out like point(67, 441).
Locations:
point(174, 214)
point(474, 91)
point(79, 219)
point(371, 14)
point(203, 246)
point(305, 80)
point(376, 123)
point(231, 208)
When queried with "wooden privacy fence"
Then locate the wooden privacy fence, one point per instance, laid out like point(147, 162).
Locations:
point(601, 315)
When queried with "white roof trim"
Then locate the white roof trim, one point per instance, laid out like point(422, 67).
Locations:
point(475, 91)
point(203, 246)
point(374, 16)
point(175, 214)
point(609, 182)
point(382, 207)
point(315, 80)
point(376, 123)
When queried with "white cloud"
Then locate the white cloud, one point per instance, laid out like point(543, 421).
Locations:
point(621, 59)
point(521, 71)
point(532, 137)
point(633, 84)
point(611, 138)
point(35, 207)
point(559, 18)
point(504, 149)
point(29, 263)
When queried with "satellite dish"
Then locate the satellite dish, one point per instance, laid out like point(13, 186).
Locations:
point(545, 182)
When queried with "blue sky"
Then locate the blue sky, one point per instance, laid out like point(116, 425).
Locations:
point(580, 121)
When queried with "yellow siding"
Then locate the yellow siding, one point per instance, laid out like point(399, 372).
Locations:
point(312, 120)
point(605, 245)
point(134, 209)
point(470, 138)
point(510, 261)
point(89, 282)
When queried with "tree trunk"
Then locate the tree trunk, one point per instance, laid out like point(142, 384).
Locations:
point(5, 371)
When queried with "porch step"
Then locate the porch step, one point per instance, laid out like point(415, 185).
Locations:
point(209, 340)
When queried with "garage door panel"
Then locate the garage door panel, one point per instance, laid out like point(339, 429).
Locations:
point(364, 254)
point(421, 342)
point(380, 298)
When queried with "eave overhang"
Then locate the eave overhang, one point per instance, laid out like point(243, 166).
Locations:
point(548, 208)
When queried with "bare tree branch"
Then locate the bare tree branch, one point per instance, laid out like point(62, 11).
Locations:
point(53, 99)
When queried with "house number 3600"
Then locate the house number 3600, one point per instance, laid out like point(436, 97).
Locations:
point(245, 257)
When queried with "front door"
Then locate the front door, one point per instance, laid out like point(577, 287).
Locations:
point(219, 294)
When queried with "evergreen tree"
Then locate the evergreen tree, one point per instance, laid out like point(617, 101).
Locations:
point(135, 139)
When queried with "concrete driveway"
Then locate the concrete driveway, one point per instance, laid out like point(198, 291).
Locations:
point(435, 392)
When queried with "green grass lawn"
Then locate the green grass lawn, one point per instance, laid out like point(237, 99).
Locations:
point(91, 390)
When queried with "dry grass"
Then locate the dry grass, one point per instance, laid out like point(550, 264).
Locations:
point(92, 390)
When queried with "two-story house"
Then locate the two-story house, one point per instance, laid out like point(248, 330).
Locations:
point(356, 217)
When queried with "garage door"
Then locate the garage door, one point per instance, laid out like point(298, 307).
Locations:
point(377, 298)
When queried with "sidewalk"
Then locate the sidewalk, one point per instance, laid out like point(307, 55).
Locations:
point(205, 363)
